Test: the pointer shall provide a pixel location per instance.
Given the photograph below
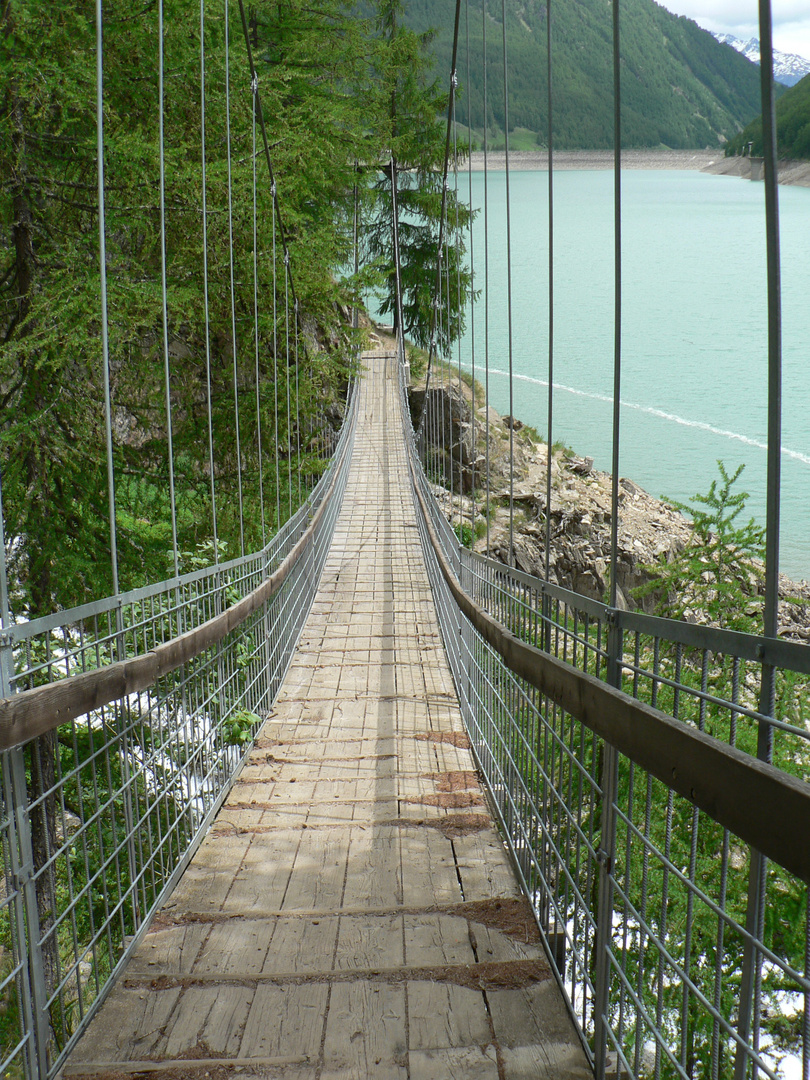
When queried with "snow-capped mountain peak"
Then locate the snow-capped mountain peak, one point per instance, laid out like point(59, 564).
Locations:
point(788, 68)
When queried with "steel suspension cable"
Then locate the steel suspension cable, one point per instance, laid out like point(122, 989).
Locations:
point(486, 268)
point(265, 142)
point(254, 85)
point(5, 609)
point(297, 400)
point(235, 348)
point(287, 380)
point(550, 417)
point(289, 283)
point(206, 297)
point(751, 984)
point(509, 294)
point(443, 212)
point(473, 504)
point(102, 250)
point(400, 336)
point(617, 305)
point(610, 762)
point(457, 328)
point(275, 363)
point(448, 325)
point(164, 294)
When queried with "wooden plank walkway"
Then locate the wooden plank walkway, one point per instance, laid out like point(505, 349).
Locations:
point(352, 913)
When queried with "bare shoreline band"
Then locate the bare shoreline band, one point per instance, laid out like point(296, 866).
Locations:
point(711, 161)
point(597, 159)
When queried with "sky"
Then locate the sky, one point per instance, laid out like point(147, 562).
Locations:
point(791, 20)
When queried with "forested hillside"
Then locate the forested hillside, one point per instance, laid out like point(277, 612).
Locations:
point(680, 87)
point(193, 301)
point(792, 126)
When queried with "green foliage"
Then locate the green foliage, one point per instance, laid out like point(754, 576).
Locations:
point(680, 87)
point(239, 727)
point(409, 108)
point(792, 127)
point(719, 572)
point(311, 60)
point(465, 533)
point(418, 359)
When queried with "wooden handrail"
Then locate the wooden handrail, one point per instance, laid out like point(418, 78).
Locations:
point(765, 807)
point(29, 713)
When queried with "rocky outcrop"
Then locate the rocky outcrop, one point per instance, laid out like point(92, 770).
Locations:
point(578, 518)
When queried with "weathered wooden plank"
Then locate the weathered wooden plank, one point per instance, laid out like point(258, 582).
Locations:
point(169, 949)
point(442, 1015)
point(370, 942)
point(374, 876)
point(280, 1068)
point(133, 1024)
point(492, 944)
point(454, 1063)
point(319, 870)
point(206, 882)
point(435, 939)
point(286, 1021)
point(484, 867)
point(532, 1016)
point(238, 945)
point(303, 944)
point(261, 881)
point(429, 868)
point(365, 1030)
point(560, 1061)
point(206, 1021)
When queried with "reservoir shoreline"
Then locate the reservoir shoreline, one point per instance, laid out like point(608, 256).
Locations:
point(711, 161)
point(524, 160)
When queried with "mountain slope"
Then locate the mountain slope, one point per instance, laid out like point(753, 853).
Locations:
point(680, 87)
point(792, 126)
point(788, 68)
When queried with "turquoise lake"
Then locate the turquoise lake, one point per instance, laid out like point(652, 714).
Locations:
point(694, 327)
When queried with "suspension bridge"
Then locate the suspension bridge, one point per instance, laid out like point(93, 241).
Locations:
point(364, 801)
point(352, 912)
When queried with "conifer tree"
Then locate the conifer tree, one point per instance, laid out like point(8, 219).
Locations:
point(411, 114)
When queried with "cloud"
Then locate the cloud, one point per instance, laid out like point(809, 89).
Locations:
point(791, 20)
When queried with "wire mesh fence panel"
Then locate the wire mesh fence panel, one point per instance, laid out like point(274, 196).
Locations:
point(101, 814)
point(705, 955)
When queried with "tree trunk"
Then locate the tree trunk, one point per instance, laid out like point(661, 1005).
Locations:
point(41, 753)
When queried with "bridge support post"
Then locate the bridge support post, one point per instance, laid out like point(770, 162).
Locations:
point(23, 912)
point(122, 725)
point(605, 858)
point(29, 932)
point(751, 981)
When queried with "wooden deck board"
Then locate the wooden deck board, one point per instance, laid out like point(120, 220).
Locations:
point(343, 918)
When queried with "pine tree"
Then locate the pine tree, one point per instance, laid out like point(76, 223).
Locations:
point(410, 110)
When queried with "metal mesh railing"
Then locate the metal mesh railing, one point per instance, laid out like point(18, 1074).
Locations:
point(101, 814)
point(682, 951)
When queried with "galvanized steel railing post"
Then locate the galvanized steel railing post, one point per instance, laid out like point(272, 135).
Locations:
point(605, 857)
point(122, 724)
point(267, 634)
point(465, 636)
point(26, 886)
point(21, 860)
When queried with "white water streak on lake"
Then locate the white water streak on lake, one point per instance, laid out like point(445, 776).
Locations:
point(650, 411)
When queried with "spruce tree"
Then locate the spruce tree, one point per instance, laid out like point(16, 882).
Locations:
point(410, 109)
